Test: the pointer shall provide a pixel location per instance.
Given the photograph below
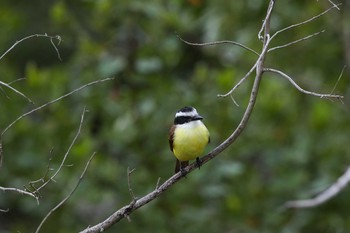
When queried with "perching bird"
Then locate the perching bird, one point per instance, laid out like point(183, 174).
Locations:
point(187, 137)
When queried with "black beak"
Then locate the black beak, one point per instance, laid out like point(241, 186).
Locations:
point(198, 117)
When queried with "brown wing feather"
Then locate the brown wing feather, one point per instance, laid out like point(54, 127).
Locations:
point(171, 137)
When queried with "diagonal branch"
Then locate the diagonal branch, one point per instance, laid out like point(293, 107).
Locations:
point(304, 22)
point(329, 96)
point(218, 43)
point(53, 101)
point(20, 191)
point(35, 192)
point(323, 197)
point(33, 36)
point(66, 154)
point(15, 90)
point(68, 196)
point(261, 58)
point(296, 41)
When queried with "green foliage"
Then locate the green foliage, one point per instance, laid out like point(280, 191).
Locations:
point(294, 146)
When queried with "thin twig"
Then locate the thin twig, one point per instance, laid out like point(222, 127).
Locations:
point(340, 76)
point(134, 199)
point(304, 22)
point(296, 41)
point(66, 154)
point(68, 196)
point(218, 43)
point(158, 182)
point(129, 172)
point(262, 55)
point(37, 35)
point(263, 26)
point(53, 101)
point(20, 191)
point(17, 80)
point(53, 44)
point(330, 96)
point(333, 4)
point(234, 101)
point(323, 197)
point(43, 178)
point(16, 91)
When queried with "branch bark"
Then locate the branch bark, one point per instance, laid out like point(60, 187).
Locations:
point(323, 197)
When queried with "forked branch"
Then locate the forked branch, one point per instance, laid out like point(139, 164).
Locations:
point(68, 196)
point(329, 96)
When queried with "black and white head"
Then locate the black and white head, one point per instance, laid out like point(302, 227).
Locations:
point(185, 115)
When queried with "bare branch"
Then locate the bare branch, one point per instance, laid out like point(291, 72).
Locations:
point(234, 101)
point(333, 4)
point(296, 41)
point(53, 101)
point(340, 76)
point(15, 90)
point(43, 178)
point(129, 183)
point(35, 192)
point(66, 154)
point(261, 57)
point(218, 43)
point(265, 22)
point(330, 96)
point(21, 192)
point(330, 192)
point(134, 199)
point(17, 80)
point(53, 44)
point(37, 35)
point(304, 22)
point(68, 196)
point(157, 185)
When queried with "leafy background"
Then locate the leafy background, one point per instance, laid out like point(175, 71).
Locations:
point(294, 146)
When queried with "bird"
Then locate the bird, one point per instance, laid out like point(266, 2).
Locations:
point(188, 137)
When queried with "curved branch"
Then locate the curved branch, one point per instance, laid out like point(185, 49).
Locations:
point(36, 35)
point(66, 154)
point(339, 97)
point(20, 191)
point(296, 41)
point(68, 196)
point(330, 192)
point(15, 90)
point(304, 22)
point(51, 102)
point(218, 43)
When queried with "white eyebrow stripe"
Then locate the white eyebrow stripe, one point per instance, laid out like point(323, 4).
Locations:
point(187, 114)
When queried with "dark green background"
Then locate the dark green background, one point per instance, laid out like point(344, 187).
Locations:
point(294, 147)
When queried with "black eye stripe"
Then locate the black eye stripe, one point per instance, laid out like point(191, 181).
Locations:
point(182, 120)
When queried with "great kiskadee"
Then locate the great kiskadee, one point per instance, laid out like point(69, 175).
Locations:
point(187, 137)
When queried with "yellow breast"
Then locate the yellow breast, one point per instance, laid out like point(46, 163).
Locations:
point(190, 140)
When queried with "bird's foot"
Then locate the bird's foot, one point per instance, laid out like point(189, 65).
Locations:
point(198, 163)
